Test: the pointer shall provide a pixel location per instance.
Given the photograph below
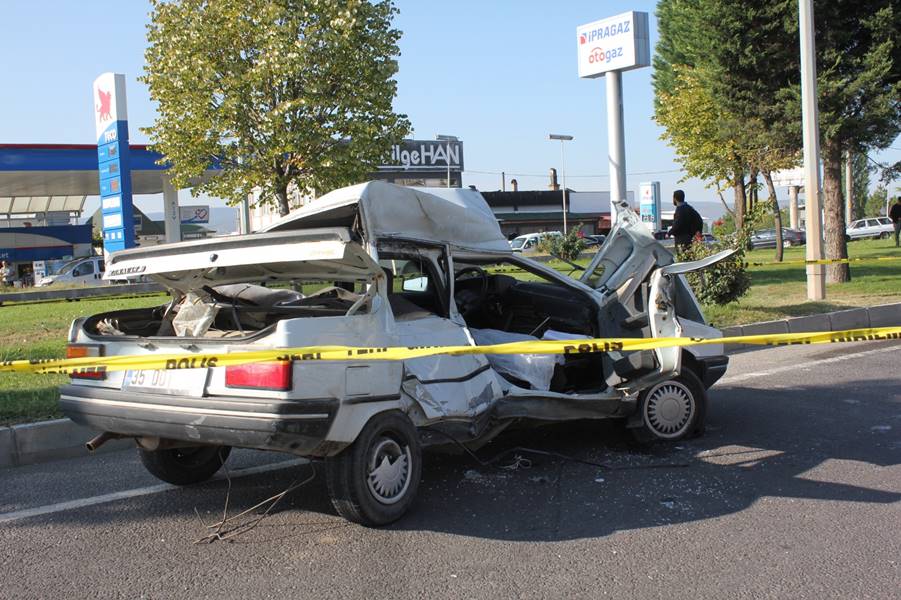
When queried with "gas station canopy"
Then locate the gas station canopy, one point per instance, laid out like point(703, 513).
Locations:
point(37, 178)
point(16, 205)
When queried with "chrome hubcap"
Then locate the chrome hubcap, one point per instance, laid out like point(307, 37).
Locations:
point(669, 409)
point(388, 470)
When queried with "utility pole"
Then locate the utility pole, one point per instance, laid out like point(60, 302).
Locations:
point(816, 274)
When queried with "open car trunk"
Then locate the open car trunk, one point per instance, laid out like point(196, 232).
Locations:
point(243, 285)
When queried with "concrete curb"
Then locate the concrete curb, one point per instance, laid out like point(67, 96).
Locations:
point(55, 440)
point(48, 440)
point(883, 315)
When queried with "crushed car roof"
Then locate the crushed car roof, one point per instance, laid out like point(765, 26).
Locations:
point(458, 217)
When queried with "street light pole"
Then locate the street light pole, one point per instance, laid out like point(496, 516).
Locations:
point(816, 274)
point(562, 138)
point(448, 139)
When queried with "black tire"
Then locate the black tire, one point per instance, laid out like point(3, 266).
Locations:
point(355, 492)
point(184, 466)
point(673, 410)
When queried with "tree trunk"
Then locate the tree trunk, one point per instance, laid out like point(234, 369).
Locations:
point(834, 214)
point(752, 190)
point(281, 194)
point(738, 188)
point(777, 216)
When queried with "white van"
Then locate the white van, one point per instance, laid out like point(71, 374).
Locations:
point(529, 242)
point(84, 271)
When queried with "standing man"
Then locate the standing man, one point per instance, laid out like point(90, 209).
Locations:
point(8, 273)
point(895, 216)
point(687, 223)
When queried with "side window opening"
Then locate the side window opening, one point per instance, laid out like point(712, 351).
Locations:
point(415, 285)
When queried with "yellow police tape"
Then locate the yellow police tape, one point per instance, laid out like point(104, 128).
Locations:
point(316, 353)
point(823, 261)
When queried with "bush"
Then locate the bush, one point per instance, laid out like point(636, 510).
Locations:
point(567, 247)
point(728, 280)
point(724, 282)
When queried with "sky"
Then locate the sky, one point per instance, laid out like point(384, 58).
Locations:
point(501, 75)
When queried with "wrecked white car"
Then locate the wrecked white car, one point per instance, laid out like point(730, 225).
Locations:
point(378, 265)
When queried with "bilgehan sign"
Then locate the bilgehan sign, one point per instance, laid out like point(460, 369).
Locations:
point(425, 155)
point(617, 43)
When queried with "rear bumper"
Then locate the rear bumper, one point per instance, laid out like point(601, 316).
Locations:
point(295, 426)
point(712, 368)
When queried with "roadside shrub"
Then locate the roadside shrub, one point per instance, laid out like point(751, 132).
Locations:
point(728, 280)
point(567, 246)
point(724, 282)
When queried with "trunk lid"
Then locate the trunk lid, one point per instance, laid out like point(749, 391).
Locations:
point(329, 253)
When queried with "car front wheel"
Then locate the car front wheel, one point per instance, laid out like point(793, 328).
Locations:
point(374, 481)
point(184, 466)
point(672, 410)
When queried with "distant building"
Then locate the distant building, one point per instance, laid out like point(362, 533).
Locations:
point(532, 211)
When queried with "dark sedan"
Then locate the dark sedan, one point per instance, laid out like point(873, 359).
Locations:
point(766, 238)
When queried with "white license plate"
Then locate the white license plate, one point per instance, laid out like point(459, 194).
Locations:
point(175, 382)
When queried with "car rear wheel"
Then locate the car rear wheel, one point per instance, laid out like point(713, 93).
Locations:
point(374, 481)
point(672, 410)
point(184, 466)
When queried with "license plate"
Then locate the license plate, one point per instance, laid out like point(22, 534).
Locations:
point(176, 382)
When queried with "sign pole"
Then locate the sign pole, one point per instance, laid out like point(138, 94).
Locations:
point(616, 141)
point(606, 48)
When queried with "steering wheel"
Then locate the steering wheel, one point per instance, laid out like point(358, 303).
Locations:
point(470, 300)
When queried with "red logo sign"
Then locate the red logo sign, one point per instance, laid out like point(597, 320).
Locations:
point(105, 106)
point(582, 39)
point(596, 55)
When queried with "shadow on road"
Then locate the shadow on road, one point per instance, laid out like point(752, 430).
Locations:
point(761, 443)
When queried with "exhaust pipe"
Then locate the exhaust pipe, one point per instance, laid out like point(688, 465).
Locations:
point(101, 439)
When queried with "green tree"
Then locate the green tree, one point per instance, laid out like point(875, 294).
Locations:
point(705, 137)
point(282, 94)
point(875, 206)
point(860, 181)
point(859, 96)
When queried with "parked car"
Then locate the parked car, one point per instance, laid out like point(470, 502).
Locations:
point(84, 271)
point(766, 238)
point(708, 239)
point(872, 227)
point(529, 241)
point(403, 268)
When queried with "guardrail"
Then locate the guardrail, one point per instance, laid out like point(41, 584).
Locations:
point(79, 293)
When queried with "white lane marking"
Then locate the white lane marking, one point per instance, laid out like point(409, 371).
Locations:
point(137, 492)
point(798, 366)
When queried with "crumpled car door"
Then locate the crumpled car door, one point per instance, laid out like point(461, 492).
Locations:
point(636, 276)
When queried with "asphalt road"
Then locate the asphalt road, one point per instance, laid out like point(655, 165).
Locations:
point(794, 491)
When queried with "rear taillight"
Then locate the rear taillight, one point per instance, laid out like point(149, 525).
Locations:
point(260, 376)
point(86, 351)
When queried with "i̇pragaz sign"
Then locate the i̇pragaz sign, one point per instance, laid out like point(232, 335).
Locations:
point(617, 43)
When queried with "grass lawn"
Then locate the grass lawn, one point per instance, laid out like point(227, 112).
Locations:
point(780, 291)
point(38, 330)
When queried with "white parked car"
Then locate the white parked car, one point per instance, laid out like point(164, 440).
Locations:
point(401, 267)
point(83, 271)
point(871, 227)
point(529, 242)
